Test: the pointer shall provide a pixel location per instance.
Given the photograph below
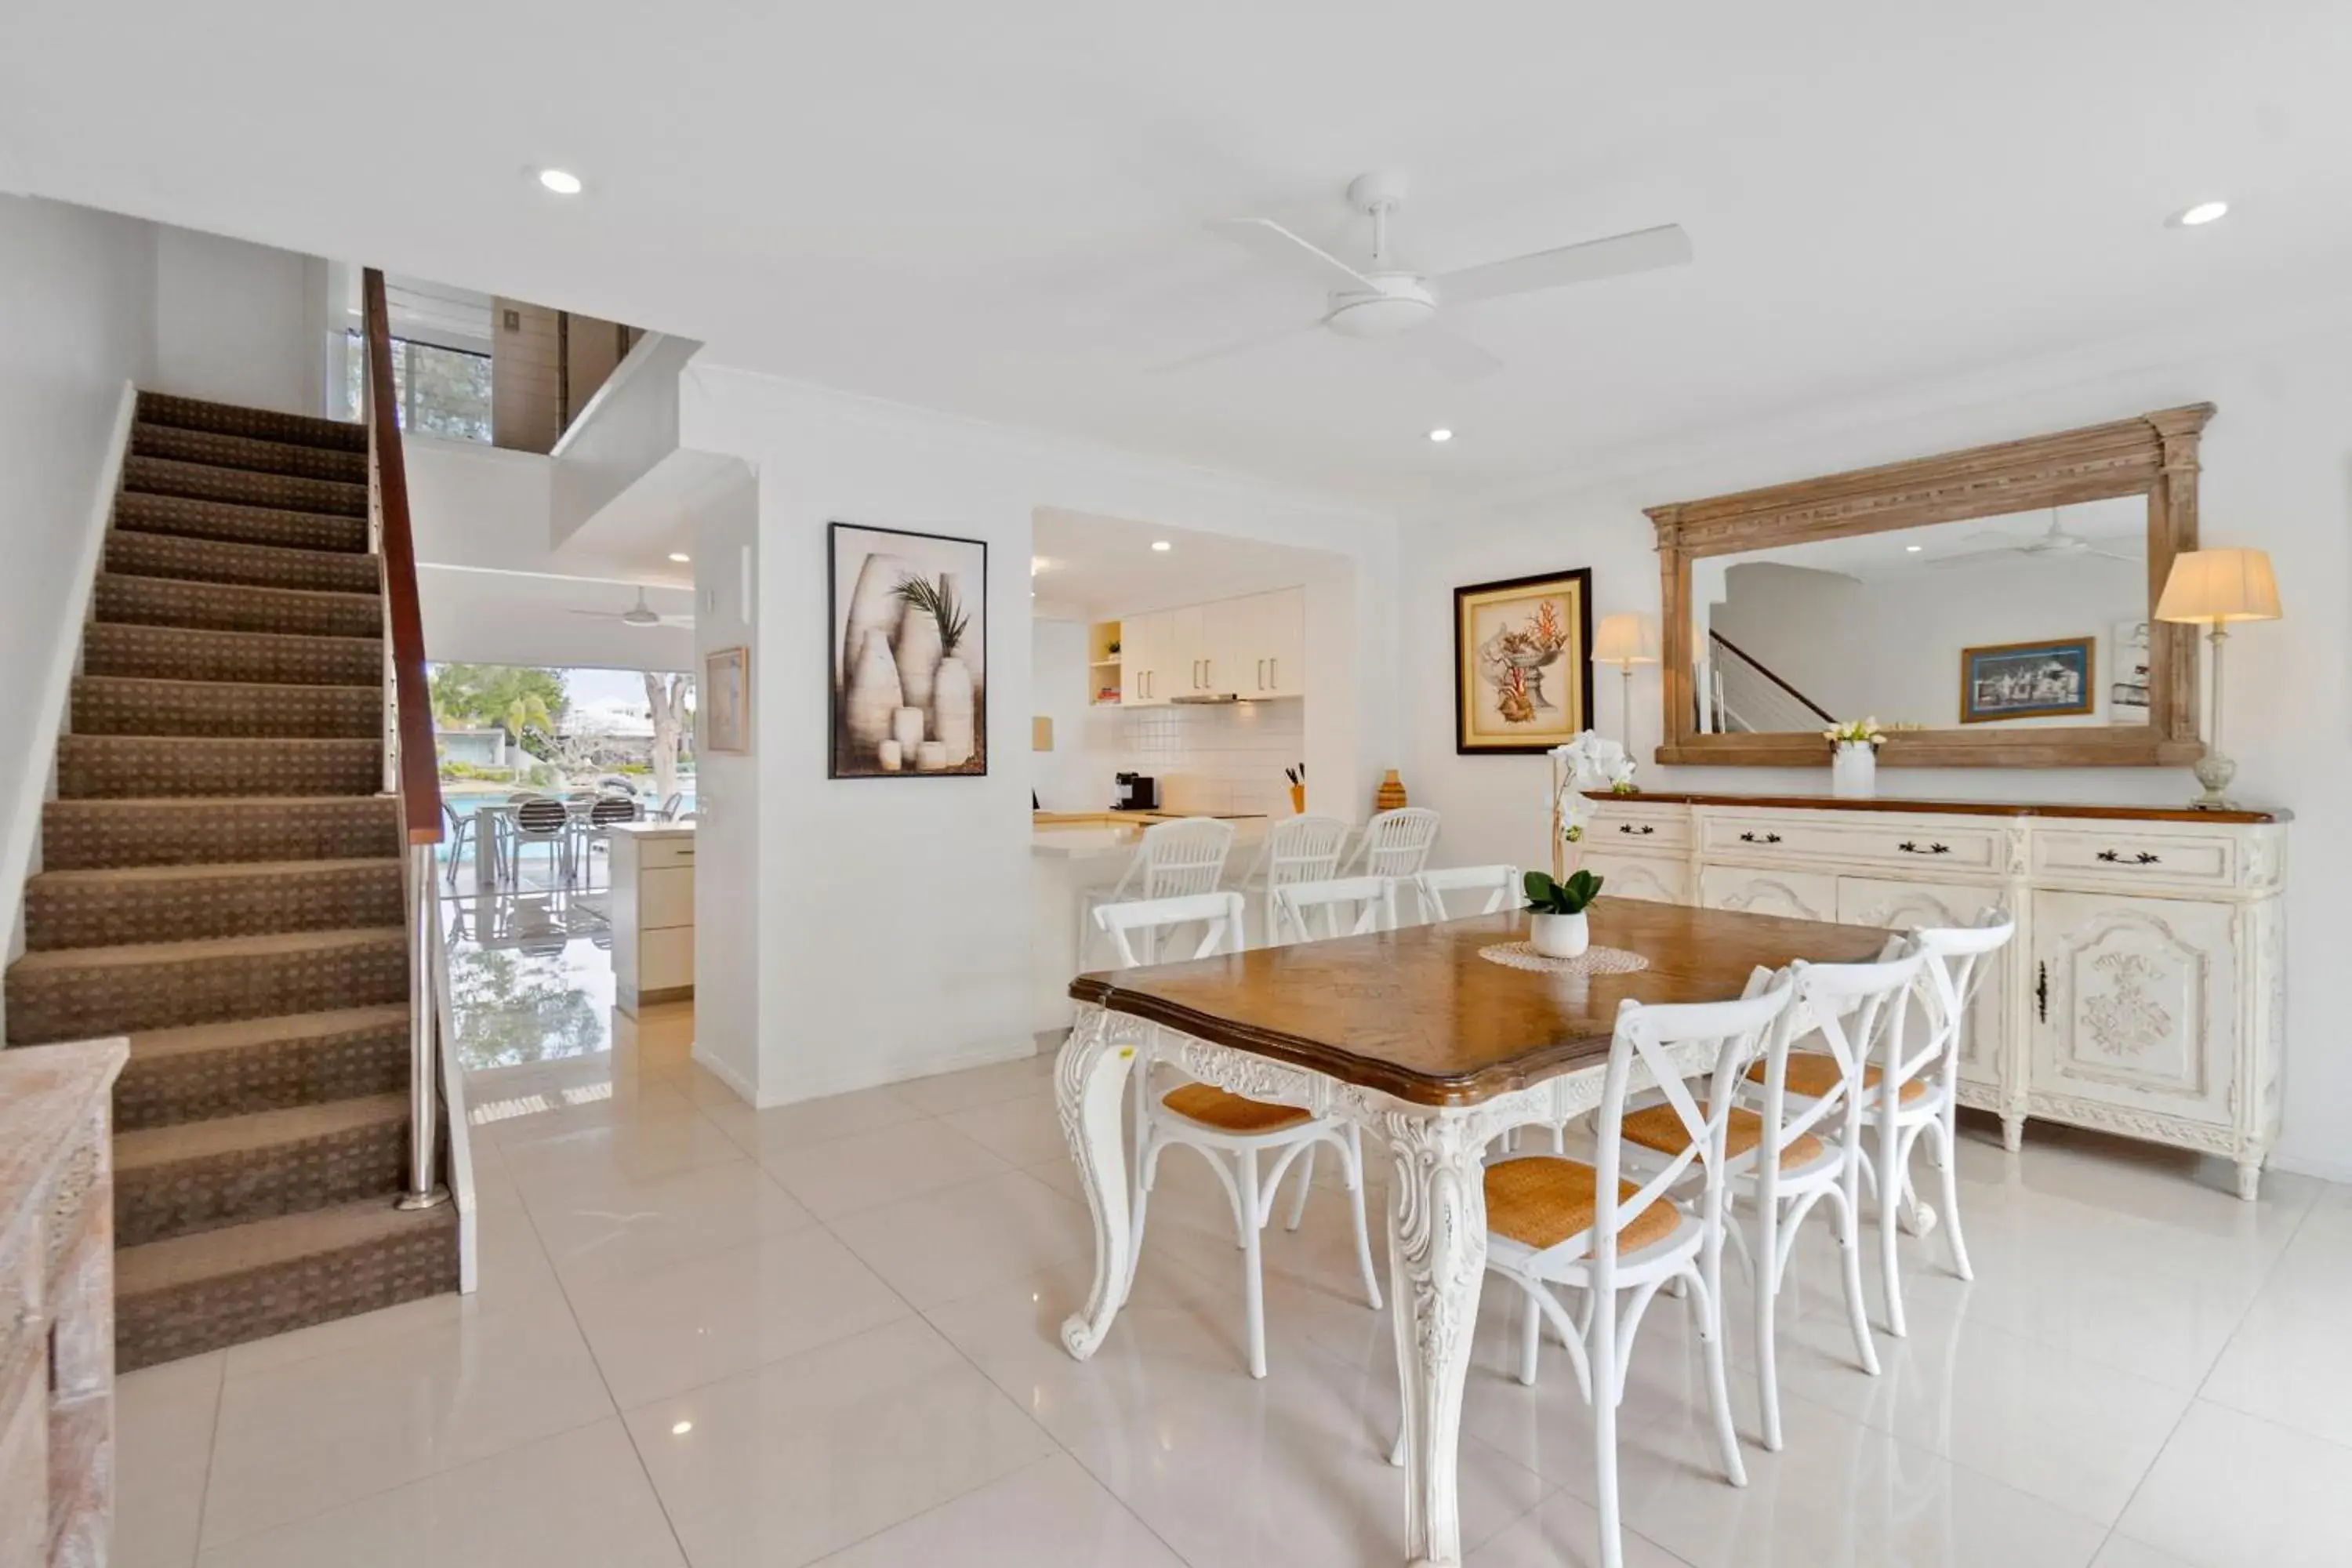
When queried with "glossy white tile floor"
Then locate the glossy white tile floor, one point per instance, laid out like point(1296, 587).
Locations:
point(721, 1338)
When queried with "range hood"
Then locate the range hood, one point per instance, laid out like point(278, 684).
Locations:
point(1203, 699)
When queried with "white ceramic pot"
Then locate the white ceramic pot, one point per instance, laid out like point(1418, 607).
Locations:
point(873, 697)
point(890, 755)
point(873, 603)
point(917, 649)
point(931, 757)
point(1853, 770)
point(1561, 936)
point(952, 710)
point(907, 723)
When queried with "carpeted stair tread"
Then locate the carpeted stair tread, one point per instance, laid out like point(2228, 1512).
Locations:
point(90, 835)
point(192, 1294)
point(165, 903)
point(115, 766)
point(237, 608)
point(239, 486)
point(277, 658)
point(201, 1175)
point(135, 553)
point(228, 419)
point(204, 1070)
point(85, 993)
point(153, 1148)
point(189, 518)
point(224, 709)
point(258, 454)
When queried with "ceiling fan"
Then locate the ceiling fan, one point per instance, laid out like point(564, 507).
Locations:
point(1383, 300)
point(637, 614)
point(2054, 543)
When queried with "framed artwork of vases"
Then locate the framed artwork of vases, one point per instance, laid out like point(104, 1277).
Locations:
point(908, 619)
point(1522, 663)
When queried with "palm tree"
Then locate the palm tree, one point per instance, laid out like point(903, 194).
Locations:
point(528, 711)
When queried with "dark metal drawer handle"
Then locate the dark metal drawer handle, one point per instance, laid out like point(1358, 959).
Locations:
point(1628, 827)
point(1910, 847)
point(2143, 859)
point(1769, 838)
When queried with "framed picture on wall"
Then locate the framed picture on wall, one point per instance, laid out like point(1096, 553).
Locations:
point(908, 636)
point(2027, 680)
point(1522, 662)
point(726, 700)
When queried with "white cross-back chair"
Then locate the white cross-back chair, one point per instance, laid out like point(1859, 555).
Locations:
point(1491, 890)
point(1299, 849)
point(1916, 1090)
point(1555, 1222)
point(1343, 906)
point(1786, 1154)
point(1395, 843)
point(1223, 1127)
point(1172, 861)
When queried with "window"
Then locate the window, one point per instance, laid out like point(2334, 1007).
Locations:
point(441, 392)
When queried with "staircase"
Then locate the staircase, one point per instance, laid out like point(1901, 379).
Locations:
point(221, 882)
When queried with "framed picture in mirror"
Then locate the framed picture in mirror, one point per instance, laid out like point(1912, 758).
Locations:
point(2027, 680)
point(1522, 663)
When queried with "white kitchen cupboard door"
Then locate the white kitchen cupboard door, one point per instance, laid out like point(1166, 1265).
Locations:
point(1226, 642)
point(1801, 895)
point(1142, 639)
point(2136, 1004)
point(1645, 877)
point(1901, 906)
point(1184, 652)
point(1281, 643)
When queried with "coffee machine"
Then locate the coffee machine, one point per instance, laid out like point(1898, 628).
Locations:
point(1134, 792)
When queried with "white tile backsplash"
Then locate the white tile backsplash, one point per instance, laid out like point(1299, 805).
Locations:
point(1214, 758)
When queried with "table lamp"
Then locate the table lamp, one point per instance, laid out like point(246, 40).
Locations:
point(1625, 641)
point(2212, 588)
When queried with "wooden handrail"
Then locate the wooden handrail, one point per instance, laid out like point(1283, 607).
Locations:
point(420, 768)
point(1761, 667)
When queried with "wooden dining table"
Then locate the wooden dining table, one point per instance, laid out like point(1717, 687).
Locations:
point(1432, 1049)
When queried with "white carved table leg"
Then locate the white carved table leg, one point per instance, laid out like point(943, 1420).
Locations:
point(1437, 1261)
point(1089, 1084)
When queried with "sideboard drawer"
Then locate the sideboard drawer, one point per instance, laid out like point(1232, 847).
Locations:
point(1634, 828)
point(2137, 857)
point(1931, 847)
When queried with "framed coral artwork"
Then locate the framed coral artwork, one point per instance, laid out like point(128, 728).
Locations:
point(1522, 663)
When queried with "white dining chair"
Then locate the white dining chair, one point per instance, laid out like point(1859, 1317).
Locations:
point(1784, 1156)
point(1492, 889)
point(1343, 906)
point(1220, 1126)
point(1917, 1091)
point(1395, 843)
point(595, 831)
point(1557, 1222)
point(1172, 861)
point(1297, 849)
point(537, 819)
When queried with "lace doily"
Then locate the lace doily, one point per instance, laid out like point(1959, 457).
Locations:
point(1591, 961)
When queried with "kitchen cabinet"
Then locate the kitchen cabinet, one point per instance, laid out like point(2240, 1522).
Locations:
point(1143, 651)
point(652, 913)
point(1251, 648)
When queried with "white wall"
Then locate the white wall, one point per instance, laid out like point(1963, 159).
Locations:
point(729, 988)
point(1076, 775)
point(893, 928)
point(77, 324)
point(2277, 476)
point(239, 324)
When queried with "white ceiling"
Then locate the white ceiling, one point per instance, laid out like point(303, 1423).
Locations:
point(478, 616)
point(1090, 567)
point(997, 209)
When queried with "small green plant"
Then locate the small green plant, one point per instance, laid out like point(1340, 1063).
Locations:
point(939, 600)
point(1573, 896)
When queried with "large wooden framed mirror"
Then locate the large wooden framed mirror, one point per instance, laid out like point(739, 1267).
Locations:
point(1997, 599)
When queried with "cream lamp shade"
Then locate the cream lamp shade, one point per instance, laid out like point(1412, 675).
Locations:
point(1625, 639)
point(2208, 588)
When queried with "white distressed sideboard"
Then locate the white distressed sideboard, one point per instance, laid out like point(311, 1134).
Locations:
point(2145, 993)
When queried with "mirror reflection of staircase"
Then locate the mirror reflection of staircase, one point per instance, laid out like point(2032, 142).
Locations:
point(221, 881)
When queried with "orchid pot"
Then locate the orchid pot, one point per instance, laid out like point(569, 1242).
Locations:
point(1558, 923)
point(1561, 936)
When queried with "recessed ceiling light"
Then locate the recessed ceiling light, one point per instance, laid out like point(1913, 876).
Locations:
point(2201, 214)
point(1441, 433)
point(1162, 545)
point(681, 1429)
point(562, 182)
point(1914, 549)
point(680, 556)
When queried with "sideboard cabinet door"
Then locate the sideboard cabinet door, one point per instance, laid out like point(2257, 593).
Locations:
point(1801, 895)
point(2135, 1004)
point(1649, 877)
point(1902, 906)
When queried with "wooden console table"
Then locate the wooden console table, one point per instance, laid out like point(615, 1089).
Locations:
point(57, 1303)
